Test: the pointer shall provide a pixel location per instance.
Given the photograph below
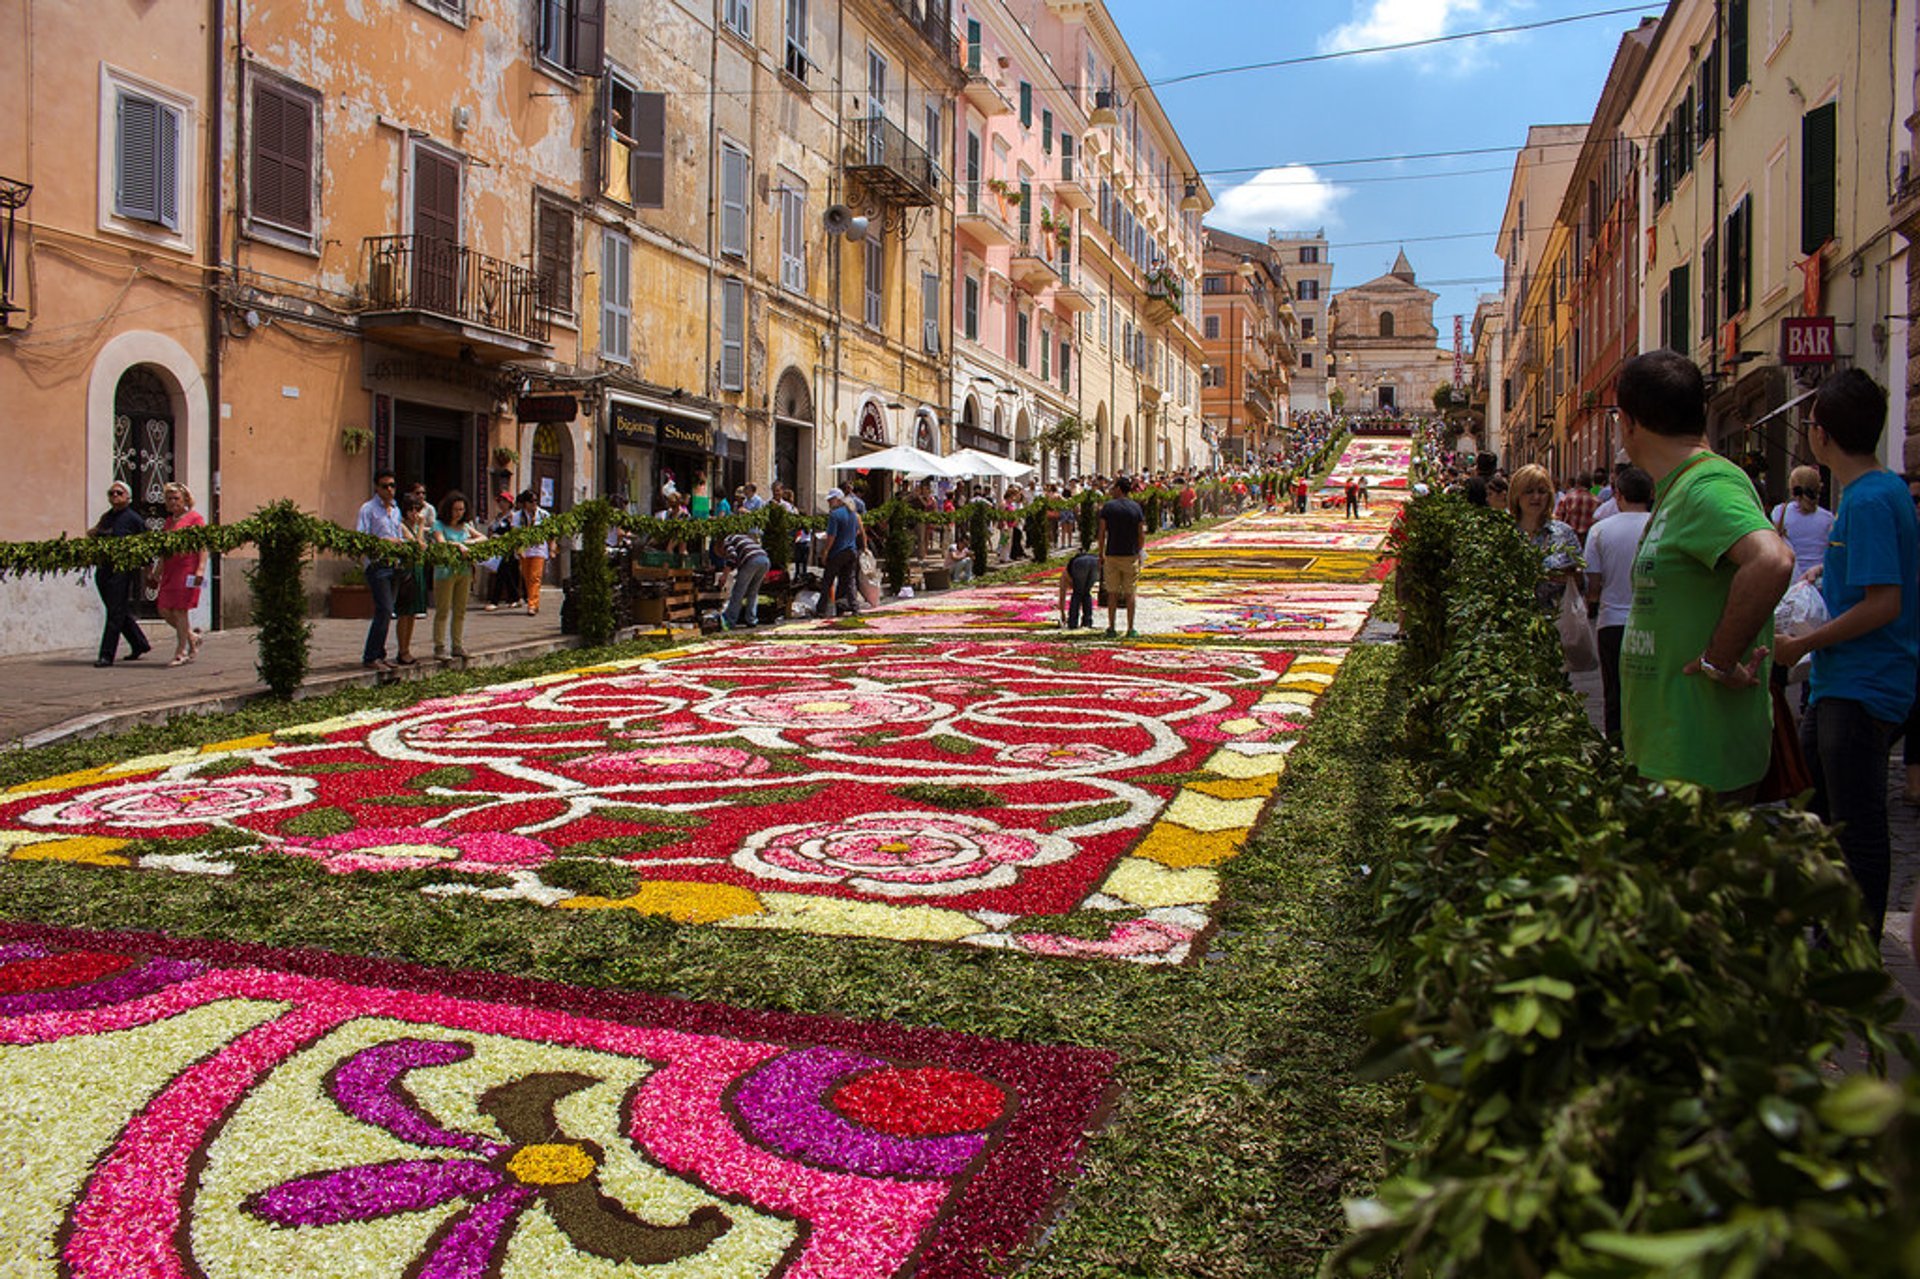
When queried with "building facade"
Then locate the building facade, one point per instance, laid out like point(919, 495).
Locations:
point(1248, 329)
point(1306, 261)
point(1541, 173)
point(1384, 345)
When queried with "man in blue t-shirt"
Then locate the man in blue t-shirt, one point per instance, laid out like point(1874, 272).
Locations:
point(844, 539)
point(1865, 658)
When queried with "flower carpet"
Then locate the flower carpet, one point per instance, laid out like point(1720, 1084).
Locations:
point(1386, 463)
point(302, 1114)
point(957, 791)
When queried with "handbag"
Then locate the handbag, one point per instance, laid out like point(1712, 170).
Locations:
point(1577, 644)
point(1787, 774)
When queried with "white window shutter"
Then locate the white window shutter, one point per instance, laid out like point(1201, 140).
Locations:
point(733, 324)
point(136, 162)
point(733, 201)
point(167, 170)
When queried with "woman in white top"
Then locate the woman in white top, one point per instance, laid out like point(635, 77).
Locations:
point(1803, 521)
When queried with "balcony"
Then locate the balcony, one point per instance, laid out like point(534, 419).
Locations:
point(1070, 295)
point(1032, 267)
point(891, 166)
point(980, 217)
point(984, 95)
point(933, 20)
point(443, 297)
point(1164, 300)
point(1259, 401)
point(1070, 190)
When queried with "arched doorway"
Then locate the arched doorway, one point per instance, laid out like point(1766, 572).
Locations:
point(548, 468)
point(969, 435)
point(1102, 443)
point(143, 449)
point(793, 432)
point(873, 425)
point(1023, 437)
point(1126, 444)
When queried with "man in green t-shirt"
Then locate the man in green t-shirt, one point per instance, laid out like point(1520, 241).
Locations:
point(1709, 571)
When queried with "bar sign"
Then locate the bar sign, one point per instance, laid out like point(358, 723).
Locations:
point(1807, 341)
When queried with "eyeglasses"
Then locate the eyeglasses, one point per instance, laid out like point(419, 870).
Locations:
point(1806, 492)
point(387, 484)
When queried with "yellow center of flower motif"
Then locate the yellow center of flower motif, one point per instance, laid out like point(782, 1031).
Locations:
point(550, 1164)
point(823, 708)
point(897, 847)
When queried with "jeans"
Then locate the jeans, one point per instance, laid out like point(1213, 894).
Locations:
point(380, 586)
point(1846, 750)
point(746, 589)
point(1609, 638)
point(842, 581)
point(116, 592)
point(1080, 607)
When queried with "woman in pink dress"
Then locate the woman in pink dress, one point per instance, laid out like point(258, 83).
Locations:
point(180, 576)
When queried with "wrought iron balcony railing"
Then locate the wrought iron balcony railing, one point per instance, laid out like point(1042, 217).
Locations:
point(891, 165)
point(439, 277)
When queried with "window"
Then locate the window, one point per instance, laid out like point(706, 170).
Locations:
point(1306, 326)
point(797, 60)
point(735, 174)
point(636, 145)
point(738, 17)
point(1046, 352)
point(1309, 290)
point(1737, 27)
point(1386, 324)
point(573, 35)
point(1066, 366)
point(793, 235)
point(1737, 245)
point(1046, 132)
point(733, 335)
point(553, 253)
point(1213, 327)
point(1022, 328)
point(1677, 331)
point(876, 280)
point(1706, 122)
point(1817, 176)
point(1306, 359)
point(1709, 284)
point(616, 295)
point(1309, 254)
point(146, 158)
point(1215, 284)
point(1026, 105)
point(970, 308)
point(1106, 325)
point(934, 132)
point(973, 46)
point(930, 313)
point(282, 129)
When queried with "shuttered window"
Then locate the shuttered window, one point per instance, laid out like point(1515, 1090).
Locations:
point(553, 254)
point(1819, 158)
point(1046, 132)
point(970, 308)
point(649, 176)
point(280, 176)
point(797, 60)
point(930, 313)
point(1737, 245)
point(436, 195)
point(1066, 366)
point(734, 175)
point(1680, 307)
point(733, 335)
point(1737, 45)
point(739, 17)
point(146, 178)
point(1026, 105)
point(1022, 327)
point(793, 236)
point(572, 35)
point(616, 295)
point(876, 280)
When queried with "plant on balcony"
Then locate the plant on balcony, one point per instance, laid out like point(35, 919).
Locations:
point(354, 439)
point(504, 456)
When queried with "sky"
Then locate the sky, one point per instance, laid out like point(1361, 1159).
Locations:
point(1267, 141)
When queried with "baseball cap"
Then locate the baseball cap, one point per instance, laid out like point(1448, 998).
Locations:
point(504, 496)
point(835, 495)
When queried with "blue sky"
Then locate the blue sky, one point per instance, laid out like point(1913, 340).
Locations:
point(1468, 94)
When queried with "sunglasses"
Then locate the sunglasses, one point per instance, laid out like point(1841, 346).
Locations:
point(1806, 492)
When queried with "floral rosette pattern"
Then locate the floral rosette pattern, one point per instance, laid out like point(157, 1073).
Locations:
point(306, 1115)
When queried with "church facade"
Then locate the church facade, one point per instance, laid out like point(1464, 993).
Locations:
point(1385, 349)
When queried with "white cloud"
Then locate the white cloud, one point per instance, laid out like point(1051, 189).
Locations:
point(1388, 22)
point(1287, 198)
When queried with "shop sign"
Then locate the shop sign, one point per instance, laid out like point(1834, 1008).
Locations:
point(546, 408)
point(629, 422)
point(1807, 341)
point(687, 435)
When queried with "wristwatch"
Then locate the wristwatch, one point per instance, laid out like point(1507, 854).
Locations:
point(1717, 674)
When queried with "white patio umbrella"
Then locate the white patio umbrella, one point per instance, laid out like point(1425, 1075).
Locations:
point(903, 458)
point(973, 463)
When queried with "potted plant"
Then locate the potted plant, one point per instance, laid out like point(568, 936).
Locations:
point(350, 597)
point(504, 457)
point(354, 439)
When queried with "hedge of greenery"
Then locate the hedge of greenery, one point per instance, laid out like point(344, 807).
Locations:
point(285, 536)
point(1624, 1032)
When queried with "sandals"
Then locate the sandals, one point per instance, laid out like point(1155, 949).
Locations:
point(181, 659)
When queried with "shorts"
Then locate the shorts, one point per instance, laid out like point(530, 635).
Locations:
point(1119, 577)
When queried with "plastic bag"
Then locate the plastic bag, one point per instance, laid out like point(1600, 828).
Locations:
point(805, 602)
point(1800, 610)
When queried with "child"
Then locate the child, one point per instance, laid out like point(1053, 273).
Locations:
point(1078, 576)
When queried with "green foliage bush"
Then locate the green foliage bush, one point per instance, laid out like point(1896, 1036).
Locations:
point(280, 599)
point(1089, 516)
point(901, 529)
point(979, 534)
point(1621, 1024)
point(777, 537)
point(593, 578)
point(1036, 524)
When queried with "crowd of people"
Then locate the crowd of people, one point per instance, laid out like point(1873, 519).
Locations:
point(1681, 566)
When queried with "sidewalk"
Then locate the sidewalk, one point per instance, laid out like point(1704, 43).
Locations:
point(53, 696)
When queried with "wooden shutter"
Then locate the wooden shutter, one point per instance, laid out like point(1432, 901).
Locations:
point(616, 305)
point(1026, 105)
point(436, 196)
point(1680, 305)
point(734, 174)
point(146, 159)
point(1819, 158)
point(281, 190)
point(648, 176)
point(553, 255)
point(587, 47)
point(733, 335)
point(930, 312)
point(1737, 246)
point(167, 168)
point(1737, 45)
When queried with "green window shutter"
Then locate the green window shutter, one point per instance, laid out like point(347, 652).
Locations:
point(1736, 45)
point(1680, 300)
point(1819, 159)
point(1026, 105)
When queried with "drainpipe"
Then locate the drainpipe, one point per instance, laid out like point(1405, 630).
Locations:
point(216, 96)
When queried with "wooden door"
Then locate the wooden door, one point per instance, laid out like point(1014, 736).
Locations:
point(436, 231)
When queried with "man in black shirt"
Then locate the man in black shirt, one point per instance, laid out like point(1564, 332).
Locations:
point(1122, 547)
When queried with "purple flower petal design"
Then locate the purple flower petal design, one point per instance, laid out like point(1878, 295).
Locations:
point(782, 1105)
point(134, 983)
point(372, 1191)
point(368, 1086)
point(464, 1248)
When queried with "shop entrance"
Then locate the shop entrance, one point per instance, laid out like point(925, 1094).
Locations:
point(431, 446)
point(548, 465)
point(143, 448)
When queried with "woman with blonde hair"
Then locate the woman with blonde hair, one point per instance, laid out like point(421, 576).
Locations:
point(181, 576)
point(1803, 521)
point(1531, 494)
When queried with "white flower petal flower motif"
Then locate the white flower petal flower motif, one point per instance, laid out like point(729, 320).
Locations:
point(827, 708)
point(901, 854)
point(175, 803)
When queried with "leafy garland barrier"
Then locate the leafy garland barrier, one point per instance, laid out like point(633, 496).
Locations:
point(1624, 1030)
point(285, 535)
point(302, 1114)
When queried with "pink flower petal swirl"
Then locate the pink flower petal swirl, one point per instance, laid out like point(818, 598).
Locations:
point(901, 854)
